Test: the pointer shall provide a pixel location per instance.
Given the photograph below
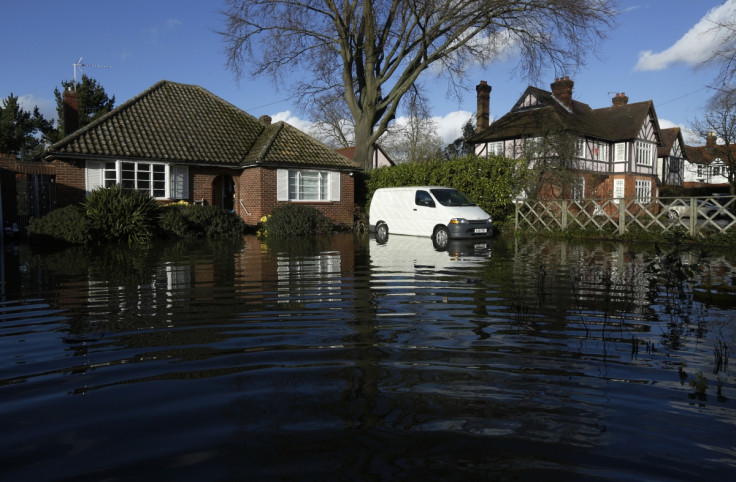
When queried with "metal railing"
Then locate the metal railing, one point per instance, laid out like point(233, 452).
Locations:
point(621, 215)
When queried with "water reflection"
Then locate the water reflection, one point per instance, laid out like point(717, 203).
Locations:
point(338, 357)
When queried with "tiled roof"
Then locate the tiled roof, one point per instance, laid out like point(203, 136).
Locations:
point(669, 136)
point(188, 124)
point(616, 123)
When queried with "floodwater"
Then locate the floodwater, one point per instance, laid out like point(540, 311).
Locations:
point(341, 359)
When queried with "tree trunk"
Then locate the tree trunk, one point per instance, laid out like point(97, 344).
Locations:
point(364, 142)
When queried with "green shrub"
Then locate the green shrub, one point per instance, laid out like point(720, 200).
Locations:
point(173, 223)
point(67, 225)
point(117, 214)
point(187, 221)
point(490, 182)
point(296, 220)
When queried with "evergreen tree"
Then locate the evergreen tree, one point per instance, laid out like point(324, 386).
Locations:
point(21, 132)
point(93, 103)
point(459, 147)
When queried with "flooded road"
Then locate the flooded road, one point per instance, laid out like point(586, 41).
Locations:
point(340, 358)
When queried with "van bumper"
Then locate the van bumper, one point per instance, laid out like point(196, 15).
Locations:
point(470, 230)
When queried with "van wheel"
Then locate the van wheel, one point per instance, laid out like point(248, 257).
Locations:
point(440, 237)
point(382, 233)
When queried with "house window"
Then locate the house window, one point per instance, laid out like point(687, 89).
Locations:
point(307, 185)
point(581, 148)
point(643, 191)
point(600, 152)
point(700, 171)
point(618, 189)
point(496, 148)
point(578, 188)
point(620, 153)
point(142, 176)
point(716, 170)
point(156, 179)
point(644, 153)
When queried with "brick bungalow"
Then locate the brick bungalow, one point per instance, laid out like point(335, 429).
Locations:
point(181, 142)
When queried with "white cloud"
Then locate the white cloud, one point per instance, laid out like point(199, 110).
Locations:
point(47, 107)
point(450, 126)
point(286, 116)
point(697, 45)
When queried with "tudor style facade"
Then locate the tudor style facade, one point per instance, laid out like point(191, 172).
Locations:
point(616, 152)
point(671, 158)
point(180, 142)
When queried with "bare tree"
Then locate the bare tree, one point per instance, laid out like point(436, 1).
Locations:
point(725, 56)
point(720, 120)
point(333, 123)
point(375, 50)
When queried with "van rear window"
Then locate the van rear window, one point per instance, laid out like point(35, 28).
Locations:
point(451, 197)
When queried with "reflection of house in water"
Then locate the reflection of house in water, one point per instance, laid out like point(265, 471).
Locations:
point(314, 278)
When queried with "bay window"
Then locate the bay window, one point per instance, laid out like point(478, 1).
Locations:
point(158, 180)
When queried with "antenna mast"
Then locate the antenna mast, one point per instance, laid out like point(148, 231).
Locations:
point(78, 66)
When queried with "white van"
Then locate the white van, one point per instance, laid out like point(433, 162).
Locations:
point(440, 212)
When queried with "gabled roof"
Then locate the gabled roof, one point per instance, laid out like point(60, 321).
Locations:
point(616, 123)
point(668, 138)
point(188, 124)
point(707, 155)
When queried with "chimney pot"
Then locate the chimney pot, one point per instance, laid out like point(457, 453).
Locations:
point(620, 99)
point(482, 118)
point(265, 120)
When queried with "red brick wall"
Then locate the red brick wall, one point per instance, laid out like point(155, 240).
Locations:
point(255, 187)
point(258, 188)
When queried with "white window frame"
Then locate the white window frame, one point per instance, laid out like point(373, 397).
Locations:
point(290, 185)
point(619, 189)
point(496, 148)
point(620, 152)
point(173, 182)
point(644, 153)
point(582, 148)
point(643, 191)
point(600, 152)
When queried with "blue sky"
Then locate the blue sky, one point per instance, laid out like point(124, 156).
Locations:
point(654, 53)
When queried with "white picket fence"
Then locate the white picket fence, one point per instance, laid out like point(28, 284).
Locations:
point(621, 215)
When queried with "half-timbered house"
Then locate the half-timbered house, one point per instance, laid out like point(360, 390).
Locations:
point(671, 158)
point(614, 149)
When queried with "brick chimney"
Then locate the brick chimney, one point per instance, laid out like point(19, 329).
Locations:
point(620, 99)
point(265, 120)
point(71, 111)
point(562, 90)
point(483, 111)
point(710, 141)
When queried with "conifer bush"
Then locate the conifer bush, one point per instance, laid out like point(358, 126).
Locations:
point(296, 220)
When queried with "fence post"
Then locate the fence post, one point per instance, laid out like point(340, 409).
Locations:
point(693, 216)
point(563, 214)
point(622, 207)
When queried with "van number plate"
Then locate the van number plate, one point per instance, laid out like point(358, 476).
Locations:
point(481, 230)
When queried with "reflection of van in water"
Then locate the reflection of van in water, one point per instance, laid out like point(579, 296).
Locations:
point(440, 212)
